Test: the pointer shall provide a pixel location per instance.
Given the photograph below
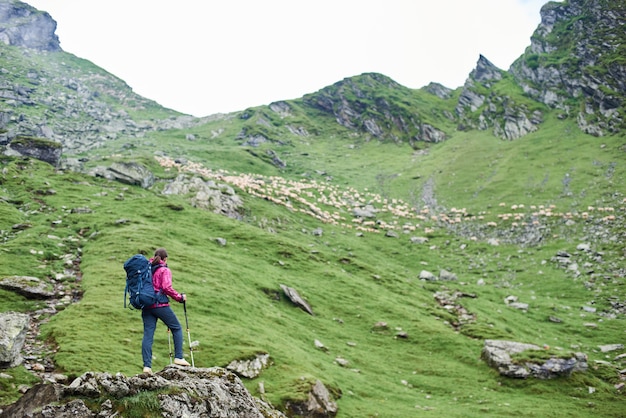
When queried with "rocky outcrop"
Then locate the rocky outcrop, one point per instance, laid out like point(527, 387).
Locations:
point(13, 329)
point(24, 26)
point(38, 148)
point(176, 392)
point(319, 403)
point(366, 104)
point(29, 287)
point(577, 52)
point(439, 90)
point(479, 108)
point(134, 174)
point(250, 367)
point(207, 194)
point(497, 353)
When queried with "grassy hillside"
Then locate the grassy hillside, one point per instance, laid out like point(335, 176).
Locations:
point(352, 278)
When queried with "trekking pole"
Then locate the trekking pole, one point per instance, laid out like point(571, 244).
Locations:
point(188, 334)
point(169, 343)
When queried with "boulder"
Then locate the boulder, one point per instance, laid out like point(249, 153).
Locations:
point(132, 173)
point(497, 353)
point(29, 287)
point(129, 173)
point(250, 368)
point(295, 297)
point(13, 329)
point(38, 148)
point(319, 403)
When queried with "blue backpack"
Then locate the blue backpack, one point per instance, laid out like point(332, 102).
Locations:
point(139, 283)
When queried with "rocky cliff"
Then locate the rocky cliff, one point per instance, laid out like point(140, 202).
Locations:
point(24, 26)
point(577, 63)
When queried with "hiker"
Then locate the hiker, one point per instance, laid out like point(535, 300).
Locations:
point(162, 282)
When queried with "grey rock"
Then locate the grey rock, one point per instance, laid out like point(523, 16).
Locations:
point(38, 148)
point(36, 397)
point(295, 297)
point(132, 173)
point(250, 368)
point(24, 26)
point(318, 404)
point(611, 347)
point(210, 392)
point(29, 287)
point(497, 353)
point(13, 329)
point(418, 240)
point(445, 275)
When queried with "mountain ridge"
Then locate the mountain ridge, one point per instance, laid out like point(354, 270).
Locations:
point(509, 103)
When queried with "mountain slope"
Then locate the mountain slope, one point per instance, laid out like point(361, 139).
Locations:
point(411, 250)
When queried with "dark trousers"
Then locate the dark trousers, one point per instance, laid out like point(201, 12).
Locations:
point(150, 317)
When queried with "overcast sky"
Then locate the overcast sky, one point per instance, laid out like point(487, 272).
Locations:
point(214, 56)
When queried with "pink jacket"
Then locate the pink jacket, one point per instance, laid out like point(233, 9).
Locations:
point(162, 281)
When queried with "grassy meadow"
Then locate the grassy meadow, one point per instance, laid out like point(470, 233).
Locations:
point(425, 361)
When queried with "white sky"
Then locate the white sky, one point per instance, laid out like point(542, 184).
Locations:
point(214, 56)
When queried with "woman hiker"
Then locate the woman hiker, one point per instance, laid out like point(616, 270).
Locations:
point(162, 282)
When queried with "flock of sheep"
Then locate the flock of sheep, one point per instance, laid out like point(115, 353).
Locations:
point(369, 212)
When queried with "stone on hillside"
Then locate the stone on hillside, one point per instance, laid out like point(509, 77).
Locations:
point(132, 173)
point(295, 297)
point(342, 361)
point(519, 305)
point(35, 398)
point(497, 353)
point(419, 240)
point(611, 347)
point(276, 159)
point(128, 173)
point(318, 404)
point(368, 211)
point(250, 368)
point(427, 275)
point(585, 247)
point(29, 287)
point(13, 329)
point(216, 197)
point(38, 148)
point(320, 345)
point(445, 275)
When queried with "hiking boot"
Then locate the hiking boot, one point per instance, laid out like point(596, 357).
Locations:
point(147, 370)
point(181, 362)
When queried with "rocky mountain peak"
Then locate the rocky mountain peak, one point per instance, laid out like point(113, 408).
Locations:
point(579, 51)
point(24, 26)
point(485, 71)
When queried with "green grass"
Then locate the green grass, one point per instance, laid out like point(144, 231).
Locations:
point(352, 282)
